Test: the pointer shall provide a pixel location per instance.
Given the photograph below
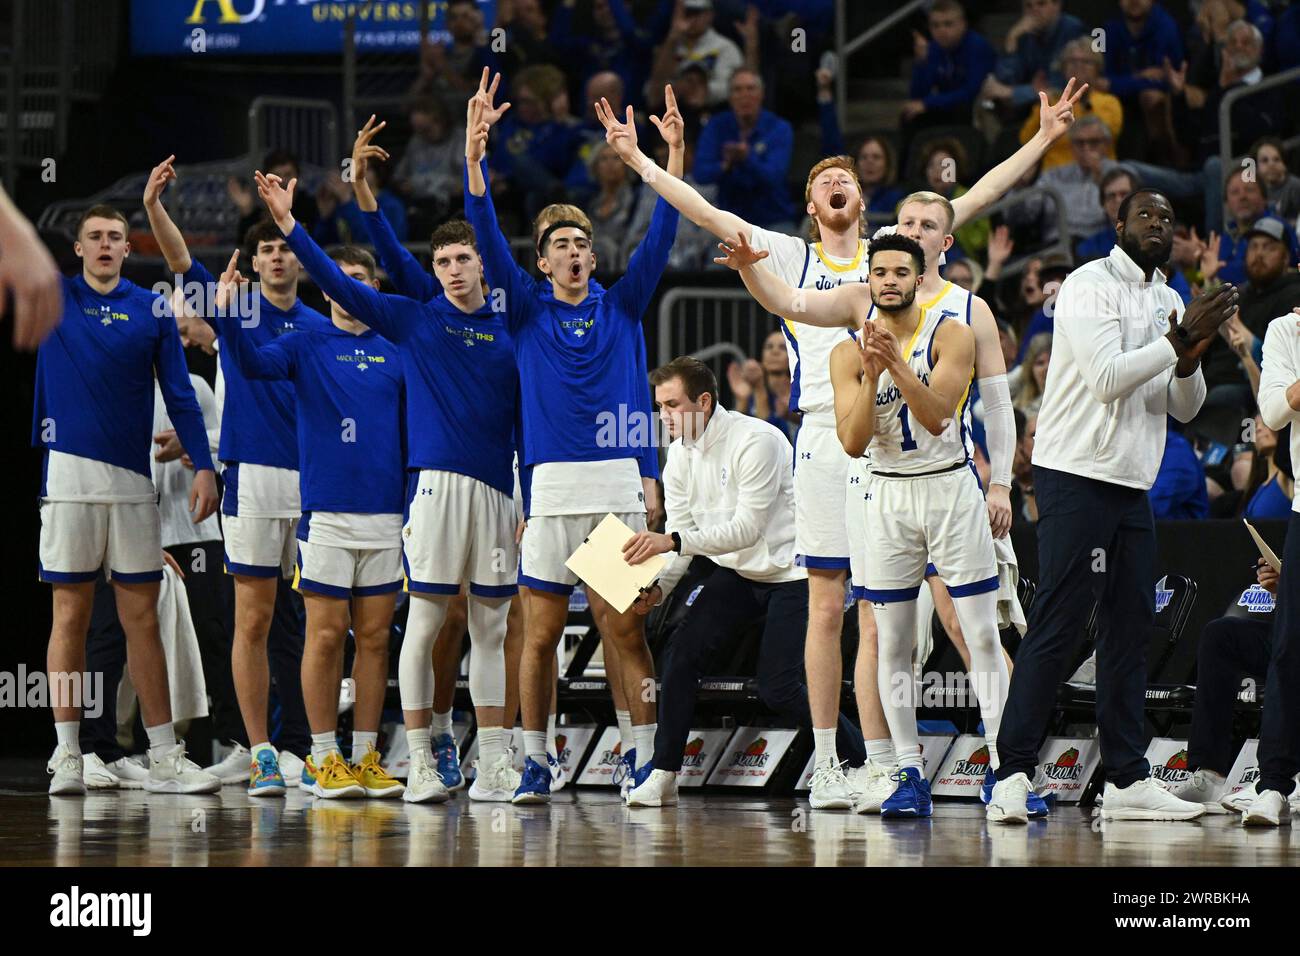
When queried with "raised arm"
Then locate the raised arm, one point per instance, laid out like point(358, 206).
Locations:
point(169, 237)
point(933, 405)
point(843, 306)
point(680, 195)
point(854, 378)
point(1054, 120)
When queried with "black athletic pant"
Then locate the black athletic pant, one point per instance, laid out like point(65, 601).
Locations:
point(1279, 737)
point(1231, 648)
point(289, 729)
point(724, 606)
point(1096, 544)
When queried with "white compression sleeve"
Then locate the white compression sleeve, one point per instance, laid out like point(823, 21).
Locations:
point(415, 665)
point(978, 614)
point(487, 650)
point(999, 428)
point(896, 639)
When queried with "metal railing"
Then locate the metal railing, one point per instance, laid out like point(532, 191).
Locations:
point(844, 46)
point(307, 128)
point(711, 324)
point(1225, 116)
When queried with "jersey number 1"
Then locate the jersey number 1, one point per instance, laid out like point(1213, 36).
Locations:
point(909, 443)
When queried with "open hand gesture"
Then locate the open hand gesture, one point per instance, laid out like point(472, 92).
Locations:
point(620, 135)
point(738, 253)
point(159, 177)
point(1055, 119)
point(363, 150)
point(278, 198)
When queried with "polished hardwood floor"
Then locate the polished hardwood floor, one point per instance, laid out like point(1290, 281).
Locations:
point(587, 828)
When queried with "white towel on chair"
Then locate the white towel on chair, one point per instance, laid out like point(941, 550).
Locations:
point(1009, 610)
point(189, 691)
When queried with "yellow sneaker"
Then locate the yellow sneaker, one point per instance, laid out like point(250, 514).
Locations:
point(375, 779)
point(333, 779)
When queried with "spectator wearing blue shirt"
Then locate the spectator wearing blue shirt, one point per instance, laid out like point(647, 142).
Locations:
point(1246, 204)
point(949, 71)
point(746, 152)
point(342, 221)
point(1286, 38)
point(610, 40)
point(1271, 485)
point(1031, 49)
point(876, 161)
point(1114, 189)
point(452, 70)
point(1179, 490)
point(1138, 43)
point(537, 148)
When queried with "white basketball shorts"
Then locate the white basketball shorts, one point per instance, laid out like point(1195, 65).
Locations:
point(459, 529)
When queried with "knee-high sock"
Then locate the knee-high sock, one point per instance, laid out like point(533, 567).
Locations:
point(487, 655)
point(978, 616)
point(896, 629)
point(415, 665)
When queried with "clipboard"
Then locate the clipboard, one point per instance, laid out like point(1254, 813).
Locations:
point(599, 563)
point(1265, 551)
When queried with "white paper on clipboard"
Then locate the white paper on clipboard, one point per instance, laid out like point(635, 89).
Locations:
point(1265, 551)
point(599, 563)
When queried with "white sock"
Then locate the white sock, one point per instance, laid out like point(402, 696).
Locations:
point(420, 741)
point(824, 746)
point(322, 745)
point(643, 735)
point(491, 742)
point(363, 741)
point(535, 747)
point(624, 719)
point(162, 737)
point(911, 757)
point(441, 724)
point(993, 753)
point(550, 737)
point(881, 753)
point(67, 731)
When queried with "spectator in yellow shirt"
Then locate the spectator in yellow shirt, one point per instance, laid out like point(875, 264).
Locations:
point(1078, 59)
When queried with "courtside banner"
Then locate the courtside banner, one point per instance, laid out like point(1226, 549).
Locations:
point(751, 756)
point(194, 27)
point(1245, 769)
point(805, 778)
point(961, 772)
point(599, 771)
point(1168, 759)
point(571, 743)
point(1065, 765)
point(704, 748)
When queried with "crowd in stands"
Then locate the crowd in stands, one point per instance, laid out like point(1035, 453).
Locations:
point(1150, 118)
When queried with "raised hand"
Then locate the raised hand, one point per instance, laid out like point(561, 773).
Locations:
point(920, 46)
point(1210, 261)
point(620, 135)
point(228, 283)
point(485, 95)
point(871, 363)
point(1055, 119)
point(240, 195)
point(1204, 316)
point(363, 150)
point(158, 179)
point(1000, 246)
point(741, 389)
point(672, 127)
point(278, 198)
point(738, 253)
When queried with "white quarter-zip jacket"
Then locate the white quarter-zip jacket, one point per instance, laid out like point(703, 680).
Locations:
point(1281, 368)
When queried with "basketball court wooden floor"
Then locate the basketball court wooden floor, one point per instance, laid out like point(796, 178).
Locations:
point(588, 828)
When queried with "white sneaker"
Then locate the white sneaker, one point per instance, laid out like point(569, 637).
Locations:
point(233, 767)
point(69, 773)
point(496, 781)
point(871, 787)
point(659, 790)
point(347, 695)
point(1268, 809)
point(1007, 802)
point(1239, 801)
point(1204, 787)
point(560, 776)
point(290, 768)
point(1147, 800)
point(830, 788)
point(173, 772)
point(423, 785)
point(96, 775)
point(130, 773)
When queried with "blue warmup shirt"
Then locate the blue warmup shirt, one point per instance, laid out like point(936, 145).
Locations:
point(577, 361)
point(95, 374)
point(462, 387)
point(1128, 55)
point(754, 188)
point(348, 392)
point(412, 280)
point(259, 421)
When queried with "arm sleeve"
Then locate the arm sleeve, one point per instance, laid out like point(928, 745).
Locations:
point(211, 411)
point(178, 393)
point(757, 473)
point(632, 292)
point(383, 313)
point(409, 278)
point(678, 518)
point(499, 266)
point(1185, 395)
point(1276, 375)
point(999, 428)
point(1097, 342)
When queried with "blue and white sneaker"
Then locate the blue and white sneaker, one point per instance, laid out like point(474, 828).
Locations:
point(264, 779)
point(912, 796)
point(448, 757)
point(559, 777)
point(624, 771)
point(535, 787)
point(1037, 807)
point(639, 776)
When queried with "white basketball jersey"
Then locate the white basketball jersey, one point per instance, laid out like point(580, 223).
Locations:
point(901, 445)
point(805, 265)
point(954, 302)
